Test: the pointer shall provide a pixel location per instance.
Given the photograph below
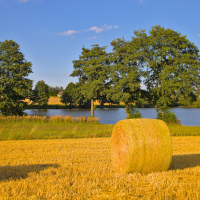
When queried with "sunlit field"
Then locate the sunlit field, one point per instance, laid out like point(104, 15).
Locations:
point(55, 101)
point(52, 101)
point(81, 169)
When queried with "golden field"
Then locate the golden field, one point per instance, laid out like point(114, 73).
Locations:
point(52, 101)
point(81, 169)
point(55, 101)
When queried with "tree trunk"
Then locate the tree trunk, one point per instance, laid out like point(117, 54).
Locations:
point(127, 113)
point(92, 107)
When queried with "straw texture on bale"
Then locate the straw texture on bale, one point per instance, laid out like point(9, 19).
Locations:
point(141, 145)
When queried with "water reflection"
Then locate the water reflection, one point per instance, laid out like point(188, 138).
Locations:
point(188, 116)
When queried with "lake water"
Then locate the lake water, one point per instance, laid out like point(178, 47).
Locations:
point(188, 116)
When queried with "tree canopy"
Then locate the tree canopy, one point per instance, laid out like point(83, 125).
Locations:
point(164, 61)
point(14, 84)
point(125, 71)
point(68, 95)
point(41, 94)
point(173, 67)
point(92, 70)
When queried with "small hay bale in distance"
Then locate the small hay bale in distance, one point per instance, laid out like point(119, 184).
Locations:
point(141, 145)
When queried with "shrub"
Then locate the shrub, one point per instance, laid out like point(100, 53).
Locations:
point(167, 116)
point(132, 112)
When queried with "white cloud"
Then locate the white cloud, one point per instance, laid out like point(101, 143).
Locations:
point(198, 35)
point(91, 38)
point(105, 27)
point(110, 27)
point(141, 1)
point(96, 29)
point(69, 32)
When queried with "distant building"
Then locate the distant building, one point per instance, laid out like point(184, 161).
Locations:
point(60, 94)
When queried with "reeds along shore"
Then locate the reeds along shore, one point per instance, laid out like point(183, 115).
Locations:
point(51, 119)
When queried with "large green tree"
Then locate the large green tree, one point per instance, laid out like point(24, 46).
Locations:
point(166, 62)
point(92, 70)
point(125, 77)
point(41, 94)
point(14, 84)
point(173, 67)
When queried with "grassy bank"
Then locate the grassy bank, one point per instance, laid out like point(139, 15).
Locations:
point(179, 130)
point(59, 127)
point(82, 169)
point(29, 131)
point(56, 127)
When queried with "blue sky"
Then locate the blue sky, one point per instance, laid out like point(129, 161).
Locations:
point(51, 33)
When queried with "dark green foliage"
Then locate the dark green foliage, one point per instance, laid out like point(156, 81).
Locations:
point(40, 94)
point(164, 61)
point(196, 104)
point(124, 74)
point(53, 91)
point(73, 95)
point(144, 100)
point(132, 112)
point(167, 116)
point(14, 84)
point(172, 68)
point(68, 95)
point(92, 70)
point(79, 98)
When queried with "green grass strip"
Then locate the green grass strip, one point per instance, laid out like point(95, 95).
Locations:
point(55, 130)
point(30, 131)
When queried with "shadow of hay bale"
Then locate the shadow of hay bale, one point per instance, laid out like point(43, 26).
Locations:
point(185, 161)
point(21, 171)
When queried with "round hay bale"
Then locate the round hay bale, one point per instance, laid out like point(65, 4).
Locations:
point(141, 145)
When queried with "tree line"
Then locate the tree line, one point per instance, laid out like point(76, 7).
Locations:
point(164, 62)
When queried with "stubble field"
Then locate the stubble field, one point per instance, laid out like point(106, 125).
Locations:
point(81, 169)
